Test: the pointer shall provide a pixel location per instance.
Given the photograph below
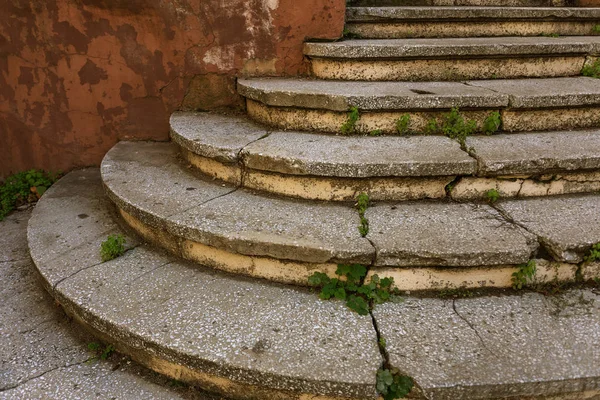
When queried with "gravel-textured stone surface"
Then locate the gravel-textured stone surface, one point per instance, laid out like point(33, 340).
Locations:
point(149, 184)
point(249, 331)
point(546, 93)
point(567, 225)
point(466, 3)
point(220, 137)
point(388, 14)
point(340, 95)
point(455, 47)
point(44, 355)
point(446, 234)
point(495, 347)
point(534, 153)
point(357, 157)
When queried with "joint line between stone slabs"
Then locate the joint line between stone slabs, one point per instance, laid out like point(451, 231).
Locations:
point(203, 203)
point(150, 271)
point(240, 159)
point(473, 328)
point(88, 267)
point(504, 215)
point(6, 389)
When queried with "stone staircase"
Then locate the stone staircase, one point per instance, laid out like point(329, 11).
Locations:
point(225, 224)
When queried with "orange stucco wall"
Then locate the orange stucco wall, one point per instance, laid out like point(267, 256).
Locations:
point(76, 76)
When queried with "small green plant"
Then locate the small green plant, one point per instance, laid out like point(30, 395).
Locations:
point(112, 247)
point(348, 34)
point(492, 123)
point(594, 253)
point(456, 127)
point(596, 29)
point(524, 275)
point(349, 286)
point(432, 127)
point(592, 70)
point(102, 352)
point(492, 196)
point(391, 384)
point(22, 188)
point(402, 124)
point(554, 35)
point(376, 132)
point(361, 205)
point(382, 343)
point(350, 125)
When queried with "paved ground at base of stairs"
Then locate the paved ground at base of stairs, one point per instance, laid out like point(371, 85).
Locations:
point(43, 354)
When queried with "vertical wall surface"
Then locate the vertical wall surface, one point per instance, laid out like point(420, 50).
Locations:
point(78, 75)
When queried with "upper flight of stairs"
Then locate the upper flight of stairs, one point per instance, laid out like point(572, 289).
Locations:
point(226, 223)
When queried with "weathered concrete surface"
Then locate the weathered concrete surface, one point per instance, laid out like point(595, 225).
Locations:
point(546, 93)
point(454, 47)
point(344, 156)
point(224, 331)
point(536, 153)
point(77, 76)
point(43, 353)
point(145, 180)
point(220, 137)
point(340, 96)
point(466, 3)
point(567, 226)
point(495, 347)
point(445, 234)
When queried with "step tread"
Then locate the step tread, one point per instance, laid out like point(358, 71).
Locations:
point(490, 347)
point(389, 14)
point(567, 226)
point(536, 153)
point(253, 224)
point(304, 153)
point(368, 96)
point(454, 47)
point(226, 326)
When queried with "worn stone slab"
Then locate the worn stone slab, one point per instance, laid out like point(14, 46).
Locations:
point(466, 3)
point(220, 137)
point(340, 96)
point(567, 226)
point(446, 234)
point(357, 157)
point(496, 347)
point(534, 153)
point(147, 183)
point(227, 327)
point(145, 178)
point(546, 93)
point(386, 49)
point(389, 14)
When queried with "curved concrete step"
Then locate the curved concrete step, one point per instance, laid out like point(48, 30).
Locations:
point(249, 339)
point(461, 3)
point(450, 59)
point(424, 245)
point(326, 167)
point(525, 104)
point(246, 339)
point(484, 20)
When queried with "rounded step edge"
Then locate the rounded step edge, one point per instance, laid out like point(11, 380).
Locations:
point(450, 59)
point(463, 22)
point(457, 252)
point(224, 333)
point(524, 105)
point(388, 168)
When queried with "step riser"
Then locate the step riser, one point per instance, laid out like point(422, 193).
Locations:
point(513, 120)
point(447, 69)
point(394, 189)
point(467, 29)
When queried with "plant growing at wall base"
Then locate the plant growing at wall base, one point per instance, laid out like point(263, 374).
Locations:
point(391, 384)
point(24, 187)
point(350, 125)
point(112, 247)
point(349, 286)
point(524, 275)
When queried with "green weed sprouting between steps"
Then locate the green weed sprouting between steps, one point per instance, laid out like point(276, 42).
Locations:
point(402, 125)
point(455, 126)
point(24, 187)
point(594, 253)
point(524, 275)
point(112, 247)
point(350, 125)
point(596, 29)
point(102, 352)
point(592, 70)
point(492, 196)
point(362, 204)
point(391, 384)
point(376, 132)
point(359, 296)
point(492, 123)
